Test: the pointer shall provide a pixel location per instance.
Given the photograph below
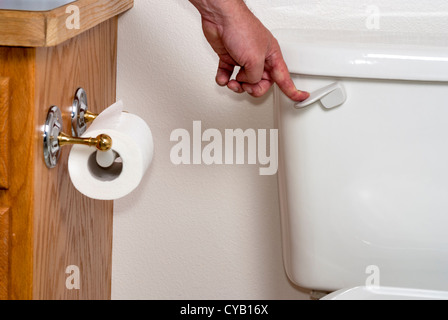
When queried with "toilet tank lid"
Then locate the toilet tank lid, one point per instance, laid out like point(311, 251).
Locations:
point(377, 55)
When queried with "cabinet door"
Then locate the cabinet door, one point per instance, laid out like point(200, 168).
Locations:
point(17, 148)
point(4, 132)
point(72, 233)
point(4, 253)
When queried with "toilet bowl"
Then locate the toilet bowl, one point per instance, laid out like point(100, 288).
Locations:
point(363, 173)
point(385, 293)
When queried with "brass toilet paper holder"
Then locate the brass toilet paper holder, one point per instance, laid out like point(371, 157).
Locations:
point(54, 137)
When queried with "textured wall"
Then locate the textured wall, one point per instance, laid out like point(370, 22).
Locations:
point(212, 232)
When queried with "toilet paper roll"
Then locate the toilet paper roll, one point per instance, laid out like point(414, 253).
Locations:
point(133, 146)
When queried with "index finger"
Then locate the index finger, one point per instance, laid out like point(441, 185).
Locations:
point(280, 74)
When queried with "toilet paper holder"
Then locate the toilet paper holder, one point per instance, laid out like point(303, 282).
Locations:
point(54, 137)
point(80, 113)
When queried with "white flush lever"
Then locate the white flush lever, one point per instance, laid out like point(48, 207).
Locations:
point(330, 96)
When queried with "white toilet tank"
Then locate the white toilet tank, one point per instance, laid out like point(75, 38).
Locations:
point(363, 182)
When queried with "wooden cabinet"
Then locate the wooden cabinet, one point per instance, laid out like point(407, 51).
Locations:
point(48, 230)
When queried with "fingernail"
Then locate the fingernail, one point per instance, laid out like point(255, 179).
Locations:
point(303, 95)
point(221, 81)
point(249, 90)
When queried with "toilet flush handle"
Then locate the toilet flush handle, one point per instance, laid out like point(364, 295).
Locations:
point(330, 96)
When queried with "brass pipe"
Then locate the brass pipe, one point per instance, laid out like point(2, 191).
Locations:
point(103, 142)
point(89, 116)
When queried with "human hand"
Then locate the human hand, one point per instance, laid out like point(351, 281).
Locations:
point(240, 39)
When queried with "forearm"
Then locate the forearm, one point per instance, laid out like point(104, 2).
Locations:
point(219, 11)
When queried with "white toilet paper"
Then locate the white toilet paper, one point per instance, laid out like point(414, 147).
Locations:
point(133, 144)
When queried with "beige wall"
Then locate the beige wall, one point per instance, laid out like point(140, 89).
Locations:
point(212, 232)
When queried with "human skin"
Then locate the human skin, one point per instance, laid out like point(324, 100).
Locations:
point(241, 40)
